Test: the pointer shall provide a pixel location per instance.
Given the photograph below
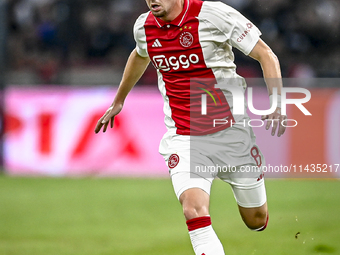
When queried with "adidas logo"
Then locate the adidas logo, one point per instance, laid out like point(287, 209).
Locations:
point(156, 44)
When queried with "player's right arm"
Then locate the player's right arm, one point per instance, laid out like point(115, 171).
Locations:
point(134, 69)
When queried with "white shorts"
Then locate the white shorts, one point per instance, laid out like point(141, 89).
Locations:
point(230, 154)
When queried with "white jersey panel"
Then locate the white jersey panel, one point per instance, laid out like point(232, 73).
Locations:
point(228, 25)
point(142, 50)
point(139, 35)
point(169, 122)
point(220, 29)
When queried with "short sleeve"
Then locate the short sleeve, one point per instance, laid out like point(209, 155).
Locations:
point(230, 25)
point(245, 34)
point(139, 35)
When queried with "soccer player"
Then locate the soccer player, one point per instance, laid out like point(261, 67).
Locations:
point(188, 42)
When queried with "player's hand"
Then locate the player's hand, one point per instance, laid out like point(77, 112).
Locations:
point(108, 116)
point(275, 120)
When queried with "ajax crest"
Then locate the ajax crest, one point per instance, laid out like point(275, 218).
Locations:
point(173, 161)
point(186, 39)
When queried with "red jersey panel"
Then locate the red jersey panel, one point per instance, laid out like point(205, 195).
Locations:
point(185, 80)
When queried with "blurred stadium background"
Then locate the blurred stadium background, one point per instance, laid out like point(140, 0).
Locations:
point(73, 42)
point(65, 190)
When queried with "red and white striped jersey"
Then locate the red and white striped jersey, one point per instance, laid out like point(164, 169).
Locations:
point(191, 54)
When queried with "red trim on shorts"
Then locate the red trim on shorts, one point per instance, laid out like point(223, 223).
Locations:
point(200, 222)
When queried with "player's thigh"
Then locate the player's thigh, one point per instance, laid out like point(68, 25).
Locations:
point(249, 192)
point(244, 172)
point(183, 181)
point(193, 192)
point(180, 158)
point(191, 188)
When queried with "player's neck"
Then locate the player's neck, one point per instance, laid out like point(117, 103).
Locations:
point(175, 11)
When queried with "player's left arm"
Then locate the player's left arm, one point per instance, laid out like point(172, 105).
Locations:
point(272, 74)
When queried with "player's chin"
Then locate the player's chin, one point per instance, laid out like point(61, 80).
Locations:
point(158, 14)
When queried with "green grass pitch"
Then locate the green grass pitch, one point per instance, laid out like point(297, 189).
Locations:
point(92, 216)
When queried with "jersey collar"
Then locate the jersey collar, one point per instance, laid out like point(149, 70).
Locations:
point(178, 21)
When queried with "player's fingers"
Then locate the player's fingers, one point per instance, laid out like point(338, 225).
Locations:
point(106, 119)
point(99, 125)
point(109, 115)
point(109, 119)
point(281, 130)
point(112, 122)
point(105, 127)
point(275, 123)
point(282, 126)
point(101, 122)
point(264, 117)
point(269, 122)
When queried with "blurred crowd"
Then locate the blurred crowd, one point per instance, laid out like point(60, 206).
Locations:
point(48, 37)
